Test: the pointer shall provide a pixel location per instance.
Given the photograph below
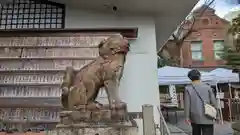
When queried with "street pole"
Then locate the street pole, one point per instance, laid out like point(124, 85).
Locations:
point(148, 120)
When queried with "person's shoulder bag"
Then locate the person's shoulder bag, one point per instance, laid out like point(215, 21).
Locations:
point(209, 110)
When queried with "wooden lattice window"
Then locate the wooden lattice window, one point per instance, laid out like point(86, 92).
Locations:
point(30, 14)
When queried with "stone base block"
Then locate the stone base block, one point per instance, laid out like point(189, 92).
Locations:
point(98, 115)
point(91, 130)
point(66, 121)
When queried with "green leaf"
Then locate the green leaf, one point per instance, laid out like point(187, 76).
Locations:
point(231, 54)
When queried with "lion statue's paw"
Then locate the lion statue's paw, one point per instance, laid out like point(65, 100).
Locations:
point(94, 106)
point(119, 105)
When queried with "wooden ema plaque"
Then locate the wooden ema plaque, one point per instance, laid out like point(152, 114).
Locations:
point(33, 67)
point(33, 55)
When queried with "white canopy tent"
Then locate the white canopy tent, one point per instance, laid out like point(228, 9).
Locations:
point(223, 75)
point(175, 75)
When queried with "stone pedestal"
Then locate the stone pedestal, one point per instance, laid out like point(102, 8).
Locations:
point(105, 114)
point(108, 120)
point(124, 128)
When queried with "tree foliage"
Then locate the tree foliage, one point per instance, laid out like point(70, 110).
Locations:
point(164, 62)
point(231, 51)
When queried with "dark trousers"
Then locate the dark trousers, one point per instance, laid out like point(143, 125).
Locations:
point(202, 129)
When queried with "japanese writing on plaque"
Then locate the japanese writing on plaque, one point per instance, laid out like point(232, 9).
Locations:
point(40, 61)
point(30, 78)
point(48, 53)
point(41, 64)
point(32, 114)
point(80, 41)
point(30, 91)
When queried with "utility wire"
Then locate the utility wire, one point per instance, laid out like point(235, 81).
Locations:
point(208, 3)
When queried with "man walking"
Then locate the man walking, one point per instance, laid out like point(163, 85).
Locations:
point(195, 96)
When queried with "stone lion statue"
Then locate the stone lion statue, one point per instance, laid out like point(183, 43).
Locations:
point(81, 87)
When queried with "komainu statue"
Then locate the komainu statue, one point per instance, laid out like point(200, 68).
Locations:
point(80, 88)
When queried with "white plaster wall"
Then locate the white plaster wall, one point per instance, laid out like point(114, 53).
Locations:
point(139, 84)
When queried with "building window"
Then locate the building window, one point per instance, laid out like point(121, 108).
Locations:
point(196, 49)
point(29, 14)
point(218, 46)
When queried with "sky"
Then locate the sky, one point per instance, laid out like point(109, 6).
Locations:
point(222, 7)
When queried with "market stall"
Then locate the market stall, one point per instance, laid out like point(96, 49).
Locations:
point(229, 104)
point(171, 76)
point(223, 75)
point(175, 76)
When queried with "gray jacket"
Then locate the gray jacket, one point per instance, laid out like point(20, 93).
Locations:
point(193, 105)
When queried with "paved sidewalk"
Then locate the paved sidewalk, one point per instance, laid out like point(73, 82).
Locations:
point(220, 129)
point(175, 130)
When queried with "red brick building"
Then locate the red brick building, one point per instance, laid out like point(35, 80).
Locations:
point(203, 46)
